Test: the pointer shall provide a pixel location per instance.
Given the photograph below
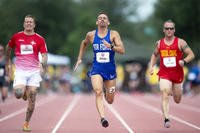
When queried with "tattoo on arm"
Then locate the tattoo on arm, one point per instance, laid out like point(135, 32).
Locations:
point(156, 49)
point(156, 52)
point(184, 47)
point(44, 59)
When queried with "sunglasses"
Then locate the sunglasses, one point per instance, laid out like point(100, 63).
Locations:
point(169, 28)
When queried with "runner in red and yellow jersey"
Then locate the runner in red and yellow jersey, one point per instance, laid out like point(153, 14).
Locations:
point(171, 50)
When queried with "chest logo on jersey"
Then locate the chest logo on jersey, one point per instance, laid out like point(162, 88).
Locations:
point(26, 49)
point(33, 42)
point(21, 40)
point(167, 53)
point(100, 47)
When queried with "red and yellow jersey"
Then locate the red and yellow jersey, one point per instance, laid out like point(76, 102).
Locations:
point(169, 61)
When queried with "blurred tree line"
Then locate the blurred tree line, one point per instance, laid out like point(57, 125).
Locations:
point(64, 23)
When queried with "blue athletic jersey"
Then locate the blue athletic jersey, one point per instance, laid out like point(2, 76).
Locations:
point(103, 61)
point(2, 70)
point(2, 73)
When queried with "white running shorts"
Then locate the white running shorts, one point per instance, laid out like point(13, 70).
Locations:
point(27, 78)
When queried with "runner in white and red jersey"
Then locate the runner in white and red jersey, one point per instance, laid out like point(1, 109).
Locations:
point(27, 48)
point(27, 45)
point(171, 50)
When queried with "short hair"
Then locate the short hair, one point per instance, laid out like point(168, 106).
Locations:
point(102, 12)
point(169, 21)
point(31, 16)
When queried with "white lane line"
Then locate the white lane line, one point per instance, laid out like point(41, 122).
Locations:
point(117, 115)
point(149, 107)
point(187, 107)
point(182, 105)
point(67, 111)
point(24, 109)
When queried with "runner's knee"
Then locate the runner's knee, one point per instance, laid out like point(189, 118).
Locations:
point(18, 93)
point(165, 89)
point(110, 95)
point(165, 95)
point(98, 92)
point(177, 99)
point(110, 100)
point(112, 90)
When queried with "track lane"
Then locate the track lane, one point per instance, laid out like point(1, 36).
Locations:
point(84, 119)
point(178, 124)
point(13, 121)
point(138, 113)
point(186, 111)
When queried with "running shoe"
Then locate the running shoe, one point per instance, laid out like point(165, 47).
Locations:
point(104, 122)
point(26, 128)
point(167, 123)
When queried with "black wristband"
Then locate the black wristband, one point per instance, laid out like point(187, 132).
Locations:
point(111, 46)
point(184, 62)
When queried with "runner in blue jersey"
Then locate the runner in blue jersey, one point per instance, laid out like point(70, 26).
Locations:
point(105, 43)
point(4, 78)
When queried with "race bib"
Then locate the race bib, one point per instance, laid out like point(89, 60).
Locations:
point(103, 57)
point(1, 72)
point(169, 61)
point(26, 49)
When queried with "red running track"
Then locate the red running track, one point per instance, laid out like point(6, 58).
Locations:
point(76, 113)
